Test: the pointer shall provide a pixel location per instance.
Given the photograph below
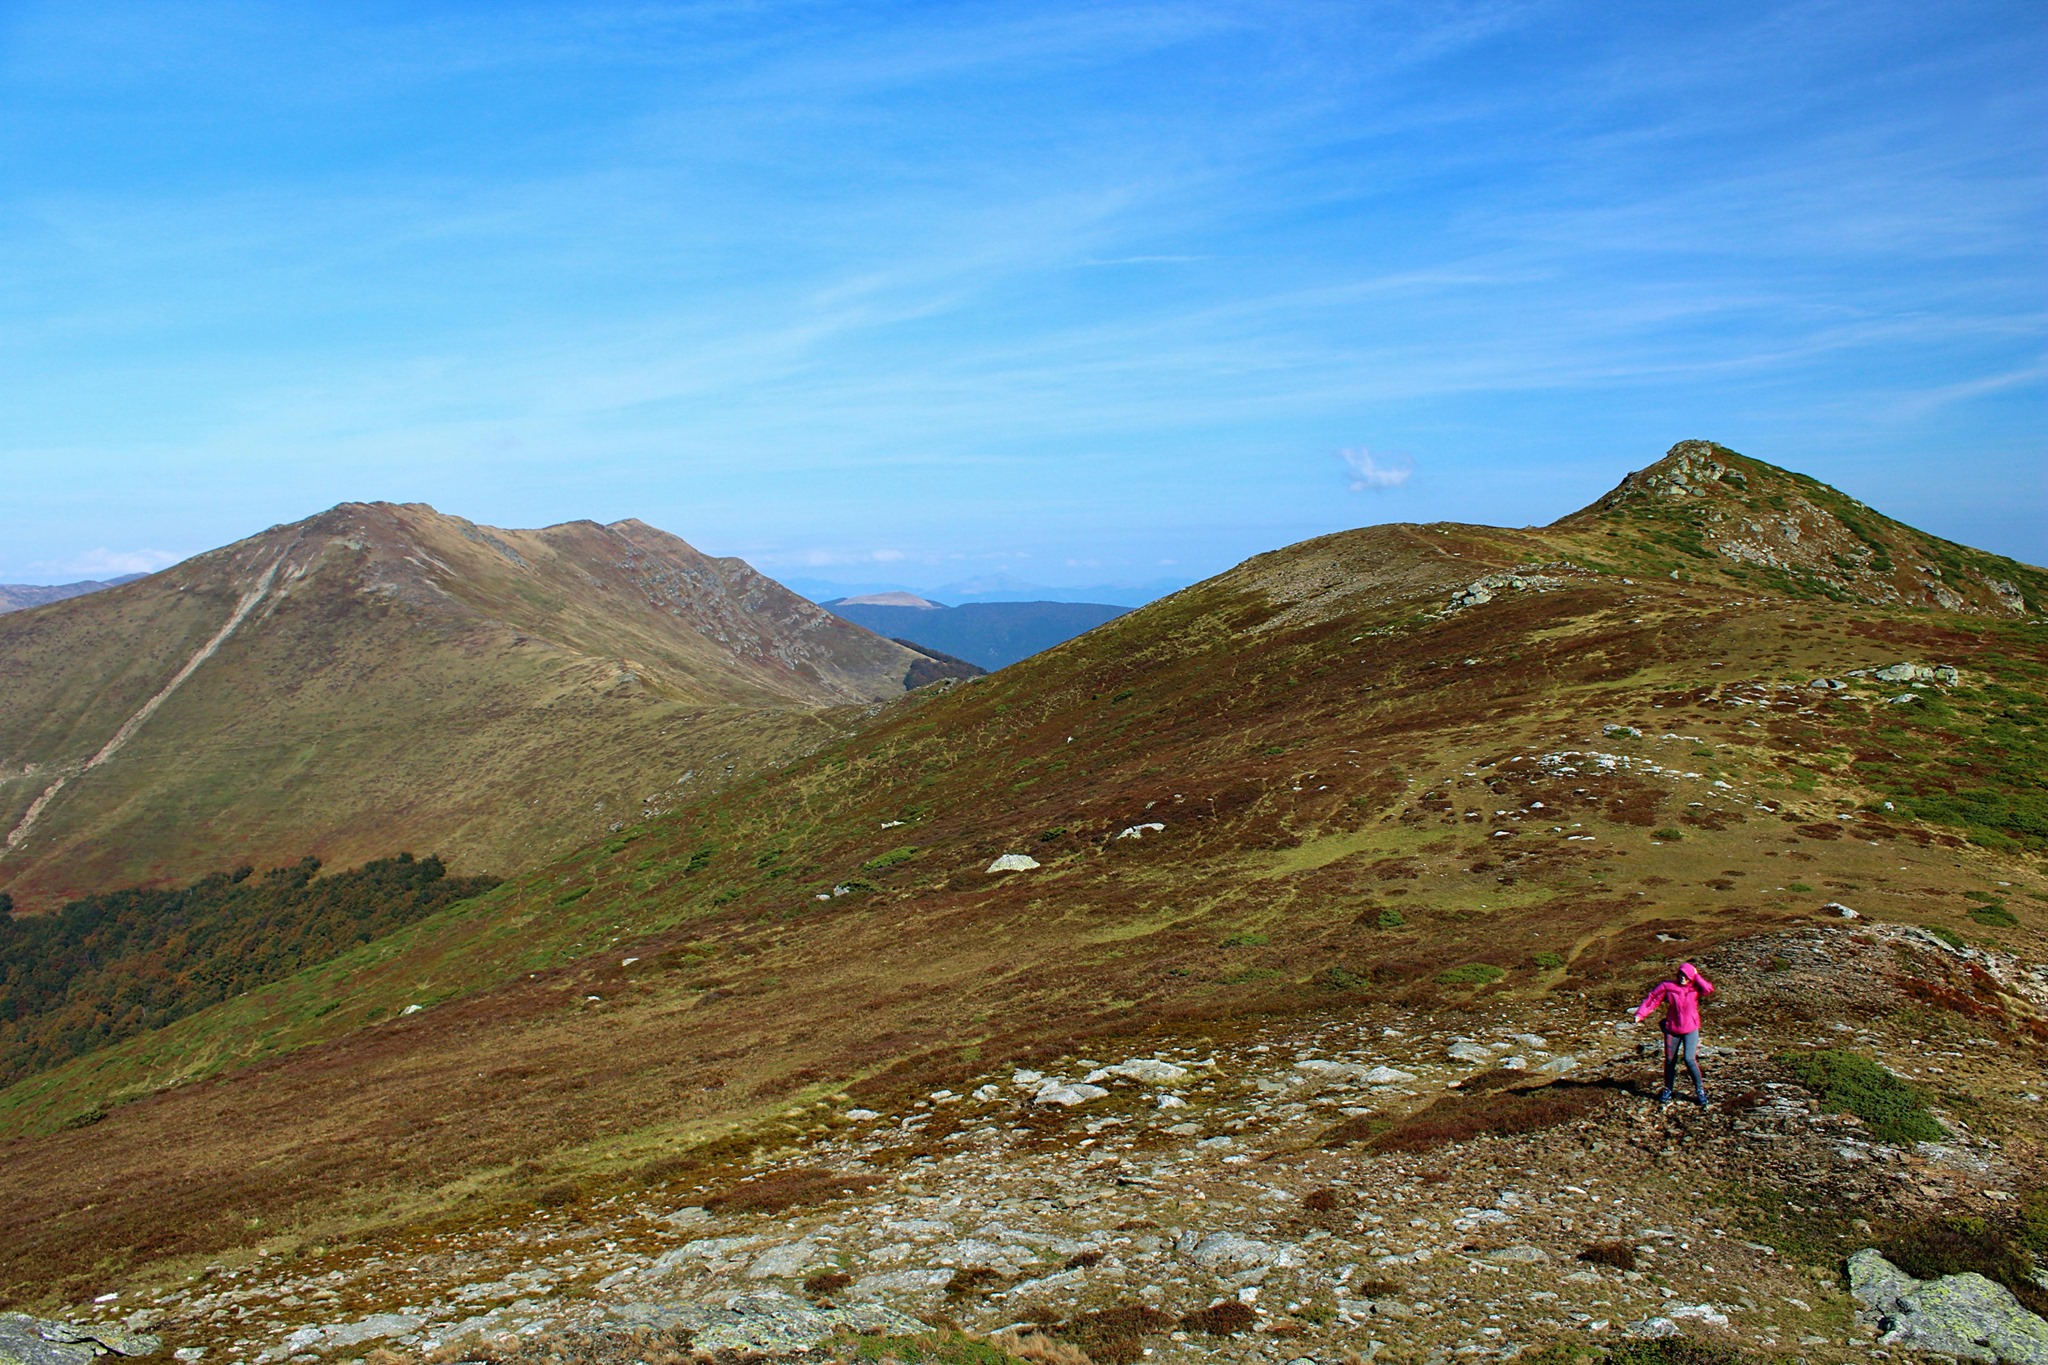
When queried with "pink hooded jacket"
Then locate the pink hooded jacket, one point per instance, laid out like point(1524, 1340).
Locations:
point(1681, 1000)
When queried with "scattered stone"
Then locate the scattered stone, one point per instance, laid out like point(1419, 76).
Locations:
point(1387, 1075)
point(1067, 1095)
point(1470, 1052)
point(1148, 1070)
point(1840, 910)
point(900, 1282)
point(1228, 1250)
point(1139, 831)
point(1013, 862)
point(1518, 1255)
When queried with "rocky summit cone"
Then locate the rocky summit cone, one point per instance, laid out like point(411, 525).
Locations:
point(1705, 509)
point(383, 675)
point(1250, 977)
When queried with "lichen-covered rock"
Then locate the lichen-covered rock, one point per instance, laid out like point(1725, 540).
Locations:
point(26, 1340)
point(22, 1344)
point(1964, 1315)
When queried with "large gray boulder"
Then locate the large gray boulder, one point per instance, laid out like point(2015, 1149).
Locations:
point(37, 1341)
point(1966, 1316)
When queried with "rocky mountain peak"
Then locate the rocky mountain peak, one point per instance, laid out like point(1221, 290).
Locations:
point(1706, 509)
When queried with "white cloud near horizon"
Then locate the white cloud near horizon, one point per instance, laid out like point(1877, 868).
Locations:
point(1375, 473)
point(105, 563)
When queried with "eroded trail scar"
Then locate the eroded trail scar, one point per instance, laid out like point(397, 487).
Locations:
point(248, 603)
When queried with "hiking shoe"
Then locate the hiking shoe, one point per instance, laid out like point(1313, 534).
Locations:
point(1663, 1097)
point(1701, 1100)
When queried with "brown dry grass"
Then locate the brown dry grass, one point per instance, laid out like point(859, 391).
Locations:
point(1039, 1349)
point(1493, 1111)
point(1620, 1255)
point(1225, 1318)
point(779, 1190)
point(1114, 1336)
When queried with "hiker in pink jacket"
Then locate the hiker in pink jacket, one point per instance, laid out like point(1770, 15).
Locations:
point(1680, 997)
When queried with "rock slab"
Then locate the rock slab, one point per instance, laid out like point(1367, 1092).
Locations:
point(1966, 1316)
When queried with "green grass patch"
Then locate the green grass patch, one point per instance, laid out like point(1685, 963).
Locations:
point(1548, 961)
point(1471, 974)
point(1850, 1082)
point(938, 1347)
point(892, 858)
point(1667, 834)
point(1389, 918)
point(1246, 939)
point(1994, 915)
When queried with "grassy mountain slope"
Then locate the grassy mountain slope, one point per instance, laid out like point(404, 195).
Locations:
point(380, 676)
point(1445, 765)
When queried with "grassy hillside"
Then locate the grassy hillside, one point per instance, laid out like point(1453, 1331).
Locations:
point(1442, 765)
point(380, 676)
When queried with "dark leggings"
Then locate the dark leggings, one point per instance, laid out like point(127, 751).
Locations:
point(1685, 1045)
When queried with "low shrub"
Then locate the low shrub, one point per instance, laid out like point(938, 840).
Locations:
point(1114, 1336)
point(1669, 836)
point(1620, 1255)
point(826, 1282)
point(1390, 918)
point(1946, 935)
point(1850, 1082)
point(1459, 1117)
point(788, 1189)
point(1995, 916)
point(1343, 979)
point(1471, 974)
point(1246, 939)
point(882, 862)
point(1952, 1246)
point(1223, 1319)
point(1548, 961)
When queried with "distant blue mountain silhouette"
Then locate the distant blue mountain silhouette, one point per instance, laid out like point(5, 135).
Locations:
point(991, 634)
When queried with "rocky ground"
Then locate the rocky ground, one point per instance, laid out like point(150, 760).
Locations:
point(1272, 1196)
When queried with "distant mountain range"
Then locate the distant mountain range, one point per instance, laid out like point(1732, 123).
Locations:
point(15, 596)
point(998, 587)
point(991, 635)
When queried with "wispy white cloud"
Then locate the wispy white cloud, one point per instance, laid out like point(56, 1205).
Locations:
point(1375, 474)
point(105, 563)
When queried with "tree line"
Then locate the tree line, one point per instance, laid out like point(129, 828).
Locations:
point(124, 962)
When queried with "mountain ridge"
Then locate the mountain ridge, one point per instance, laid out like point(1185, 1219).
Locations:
point(242, 703)
point(1455, 771)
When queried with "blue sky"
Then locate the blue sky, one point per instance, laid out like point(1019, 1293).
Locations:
point(1077, 293)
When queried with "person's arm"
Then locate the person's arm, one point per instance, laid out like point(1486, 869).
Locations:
point(1706, 986)
point(1656, 998)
